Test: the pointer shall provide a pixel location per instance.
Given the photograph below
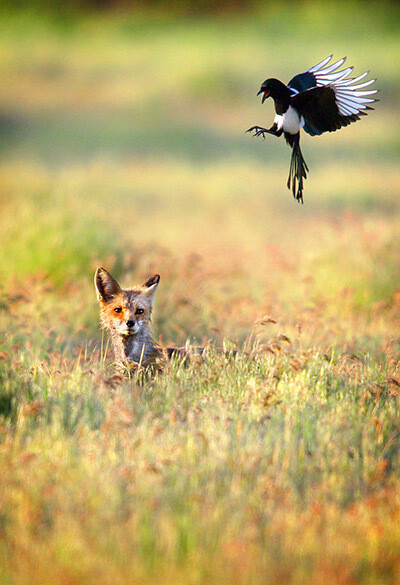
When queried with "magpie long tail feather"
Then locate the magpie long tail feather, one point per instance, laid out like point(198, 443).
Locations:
point(298, 171)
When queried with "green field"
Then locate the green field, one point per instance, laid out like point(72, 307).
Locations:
point(122, 144)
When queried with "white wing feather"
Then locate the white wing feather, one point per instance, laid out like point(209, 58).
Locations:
point(349, 99)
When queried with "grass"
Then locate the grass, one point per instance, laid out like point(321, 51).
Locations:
point(123, 145)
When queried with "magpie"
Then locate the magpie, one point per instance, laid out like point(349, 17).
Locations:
point(322, 99)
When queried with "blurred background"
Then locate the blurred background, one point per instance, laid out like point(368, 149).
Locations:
point(122, 136)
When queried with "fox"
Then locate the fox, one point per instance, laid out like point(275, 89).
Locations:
point(126, 314)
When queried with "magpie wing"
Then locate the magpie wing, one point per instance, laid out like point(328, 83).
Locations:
point(338, 101)
point(316, 75)
point(320, 111)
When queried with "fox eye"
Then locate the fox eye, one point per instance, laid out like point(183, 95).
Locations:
point(117, 310)
point(139, 311)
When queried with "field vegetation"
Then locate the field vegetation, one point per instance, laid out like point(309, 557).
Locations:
point(123, 145)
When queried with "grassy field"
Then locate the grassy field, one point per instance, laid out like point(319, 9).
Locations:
point(122, 145)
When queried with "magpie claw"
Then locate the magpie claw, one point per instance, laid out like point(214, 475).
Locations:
point(258, 131)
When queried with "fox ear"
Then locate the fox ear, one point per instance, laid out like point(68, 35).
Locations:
point(153, 280)
point(106, 286)
point(150, 287)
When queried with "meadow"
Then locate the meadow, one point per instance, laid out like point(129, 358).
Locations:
point(123, 144)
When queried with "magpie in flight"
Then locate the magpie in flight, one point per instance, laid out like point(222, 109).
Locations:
point(322, 99)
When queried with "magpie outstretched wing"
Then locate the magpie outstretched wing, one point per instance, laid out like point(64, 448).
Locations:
point(317, 75)
point(320, 110)
point(328, 99)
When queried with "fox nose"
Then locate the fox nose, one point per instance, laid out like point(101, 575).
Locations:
point(130, 323)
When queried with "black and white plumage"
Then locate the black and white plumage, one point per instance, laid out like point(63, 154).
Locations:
point(322, 99)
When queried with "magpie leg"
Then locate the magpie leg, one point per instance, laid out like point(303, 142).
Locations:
point(298, 168)
point(259, 131)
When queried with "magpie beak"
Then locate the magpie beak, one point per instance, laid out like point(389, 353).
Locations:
point(266, 94)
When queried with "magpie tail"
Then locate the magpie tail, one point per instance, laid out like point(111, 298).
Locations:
point(298, 167)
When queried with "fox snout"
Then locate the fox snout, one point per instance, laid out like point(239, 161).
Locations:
point(129, 326)
point(133, 326)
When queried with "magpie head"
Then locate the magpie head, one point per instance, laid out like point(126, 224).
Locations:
point(272, 88)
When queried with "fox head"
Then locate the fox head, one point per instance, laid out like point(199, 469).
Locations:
point(124, 312)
